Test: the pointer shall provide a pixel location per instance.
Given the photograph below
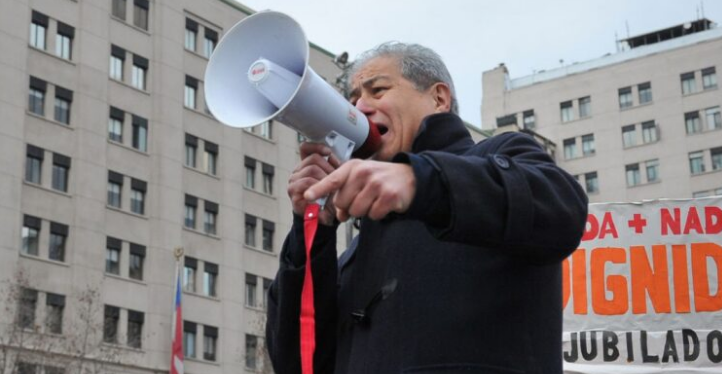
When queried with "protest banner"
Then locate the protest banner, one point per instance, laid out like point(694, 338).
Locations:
point(643, 293)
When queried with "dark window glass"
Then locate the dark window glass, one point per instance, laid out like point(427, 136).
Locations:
point(110, 324)
point(57, 247)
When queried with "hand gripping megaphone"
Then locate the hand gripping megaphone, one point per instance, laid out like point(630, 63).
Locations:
point(259, 71)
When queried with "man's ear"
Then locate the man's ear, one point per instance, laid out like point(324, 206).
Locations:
point(442, 97)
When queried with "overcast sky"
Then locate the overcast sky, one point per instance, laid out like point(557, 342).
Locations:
point(473, 36)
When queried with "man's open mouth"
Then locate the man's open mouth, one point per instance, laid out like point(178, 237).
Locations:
point(382, 129)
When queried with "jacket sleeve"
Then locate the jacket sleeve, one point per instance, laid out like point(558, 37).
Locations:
point(504, 193)
point(284, 299)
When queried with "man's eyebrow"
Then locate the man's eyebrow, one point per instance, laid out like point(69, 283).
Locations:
point(367, 83)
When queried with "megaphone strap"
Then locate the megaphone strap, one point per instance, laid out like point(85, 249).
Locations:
point(308, 312)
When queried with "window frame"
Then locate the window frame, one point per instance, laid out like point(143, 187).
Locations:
point(585, 107)
point(652, 170)
point(625, 98)
point(588, 146)
point(689, 83)
point(696, 162)
point(111, 324)
point(38, 35)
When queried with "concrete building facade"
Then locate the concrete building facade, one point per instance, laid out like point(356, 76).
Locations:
point(111, 162)
point(642, 123)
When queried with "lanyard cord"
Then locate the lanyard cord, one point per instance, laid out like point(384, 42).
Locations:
point(308, 319)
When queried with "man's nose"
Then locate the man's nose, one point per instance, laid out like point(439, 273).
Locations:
point(364, 106)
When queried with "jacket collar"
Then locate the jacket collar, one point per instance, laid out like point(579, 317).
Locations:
point(442, 132)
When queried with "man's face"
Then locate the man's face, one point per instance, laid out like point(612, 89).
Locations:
point(392, 102)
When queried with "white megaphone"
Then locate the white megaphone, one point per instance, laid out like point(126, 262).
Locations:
point(259, 71)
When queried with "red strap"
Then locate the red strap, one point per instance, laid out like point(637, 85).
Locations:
point(308, 319)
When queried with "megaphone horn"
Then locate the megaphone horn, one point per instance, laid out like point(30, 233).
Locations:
point(259, 71)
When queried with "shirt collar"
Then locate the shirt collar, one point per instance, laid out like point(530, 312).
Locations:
point(442, 132)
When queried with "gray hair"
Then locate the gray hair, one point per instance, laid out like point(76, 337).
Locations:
point(420, 65)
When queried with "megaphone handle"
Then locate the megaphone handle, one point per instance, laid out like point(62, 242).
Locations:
point(342, 148)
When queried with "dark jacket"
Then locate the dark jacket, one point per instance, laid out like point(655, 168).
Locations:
point(468, 280)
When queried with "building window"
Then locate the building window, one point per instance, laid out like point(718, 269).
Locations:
point(61, 170)
point(190, 211)
point(189, 339)
point(689, 85)
point(136, 260)
point(592, 182)
point(38, 30)
point(26, 368)
point(140, 69)
point(567, 111)
point(268, 229)
point(588, 147)
point(266, 129)
point(692, 122)
point(251, 351)
point(117, 58)
point(266, 289)
point(36, 96)
point(250, 172)
point(112, 256)
point(652, 167)
point(54, 306)
point(633, 176)
point(53, 369)
point(63, 98)
point(140, 14)
point(111, 319)
point(118, 10)
point(210, 279)
point(696, 162)
point(64, 40)
point(210, 157)
point(649, 132)
point(629, 136)
point(268, 172)
point(716, 154)
point(625, 97)
point(135, 329)
point(209, 42)
point(115, 186)
point(189, 274)
point(210, 217)
point(191, 34)
point(585, 107)
point(25, 317)
point(529, 119)
point(645, 93)
point(250, 231)
point(709, 78)
point(31, 235)
point(140, 133)
point(191, 148)
point(210, 339)
point(137, 196)
point(713, 118)
point(58, 237)
point(115, 125)
point(190, 92)
point(251, 281)
point(570, 148)
point(34, 164)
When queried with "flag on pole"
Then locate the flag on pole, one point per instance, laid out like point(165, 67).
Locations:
point(176, 360)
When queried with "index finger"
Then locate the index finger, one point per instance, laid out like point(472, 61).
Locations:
point(333, 182)
point(307, 148)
